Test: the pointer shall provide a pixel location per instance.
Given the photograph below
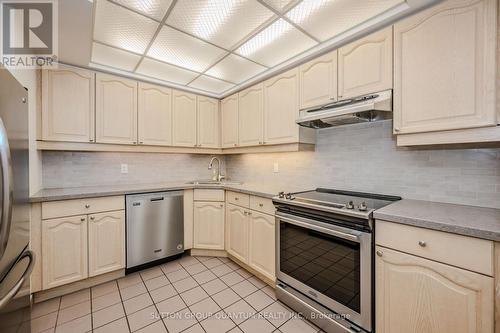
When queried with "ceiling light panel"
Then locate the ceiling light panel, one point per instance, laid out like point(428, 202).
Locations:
point(117, 26)
point(222, 22)
point(180, 49)
point(235, 69)
point(162, 71)
point(153, 8)
point(281, 5)
point(325, 19)
point(275, 44)
point(210, 84)
point(112, 57)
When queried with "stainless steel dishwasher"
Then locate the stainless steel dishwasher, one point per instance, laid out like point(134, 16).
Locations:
point(155, 227)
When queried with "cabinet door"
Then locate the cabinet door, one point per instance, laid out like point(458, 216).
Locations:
point(184, 119)
point(262, 245)
point(250, 116)
point(209, 225)
point(64, 250)
point(154, 115)
point(416, 295)
point(68, 105)
point(444, 73)
point(237, 232)
point(281, 108)
point(318, 81)
point(106, 242)
point(208, 122)
point(116, 110)
point(365, 66)
point(229, 116)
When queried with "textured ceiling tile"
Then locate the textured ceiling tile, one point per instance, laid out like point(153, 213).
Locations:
point(162, 71)
point(109, 56)
point(210, 84)
point(152, 8)
point(281, 5)
point(235, 69)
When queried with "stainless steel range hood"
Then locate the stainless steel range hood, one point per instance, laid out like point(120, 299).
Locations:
point(372, 107)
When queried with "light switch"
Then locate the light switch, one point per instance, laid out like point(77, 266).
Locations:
point(124, 168)
point(276, 167)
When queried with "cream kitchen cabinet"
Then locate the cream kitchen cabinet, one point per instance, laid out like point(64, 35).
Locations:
point(116, 110)
point(208, 228)
point(208, 123)
point(262, 245)
point(64, 250)
point(184, 119)
point(237, 223)
point(229, 121)
point(318, 81)
point(365, 66)
point(106, 242)
point(68, 105)
point(154, 115)
point(250, 116)
point(444, 72)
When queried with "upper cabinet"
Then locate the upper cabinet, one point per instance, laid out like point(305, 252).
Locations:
point(229, 121)
point(116, 109)
point(318, 81)
point(251, 111)
point(365, 66)
point(208, 122)
point(154, 115)
point(68, 105)
point(184, 119)
point(444, 71)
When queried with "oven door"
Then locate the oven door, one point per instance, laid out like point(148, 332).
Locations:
point(330, 264)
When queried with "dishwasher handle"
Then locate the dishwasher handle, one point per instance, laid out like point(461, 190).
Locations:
point(157, 199)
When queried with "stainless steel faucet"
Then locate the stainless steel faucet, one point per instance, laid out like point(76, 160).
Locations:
point(220, 177)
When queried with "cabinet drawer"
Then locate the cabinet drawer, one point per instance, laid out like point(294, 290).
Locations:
point(208, 195)
point(466, 252)
point(54, 209)
point(263, 205)
point(239, 199)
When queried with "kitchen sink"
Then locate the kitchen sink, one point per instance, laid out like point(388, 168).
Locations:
point(213, 182)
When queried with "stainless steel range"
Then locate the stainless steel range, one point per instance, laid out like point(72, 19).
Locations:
point(325, 256)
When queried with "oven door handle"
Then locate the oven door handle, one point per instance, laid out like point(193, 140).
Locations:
point(333, 231)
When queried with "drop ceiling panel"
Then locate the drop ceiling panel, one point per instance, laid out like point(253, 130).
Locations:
point(153, 8)
point(325, 19)
point(275, 44)
point(117, 26)
point(210, 84)
point(110, 56)
point(162, 71)
point(222, 22)
point(235, 69)
point(180, 49)
point(281, 5)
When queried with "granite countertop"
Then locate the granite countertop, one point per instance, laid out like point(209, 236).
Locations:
point(458, 219)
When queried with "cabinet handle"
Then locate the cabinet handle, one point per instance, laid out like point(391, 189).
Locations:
point(261, 205)
point(92, 218)
point(141, 143)
point(236, 198)
point(221, 205)
point(91, 140)
point(422, 243)
point(249, 213)
point(82, 219)
point(396, 129)
point(379, 253)
point(135, 142)
point(87, 206)
point(235, 144)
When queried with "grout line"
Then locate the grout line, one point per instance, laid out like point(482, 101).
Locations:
point(123, 306)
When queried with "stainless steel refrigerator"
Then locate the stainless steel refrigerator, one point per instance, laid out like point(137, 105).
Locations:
point(16, 260)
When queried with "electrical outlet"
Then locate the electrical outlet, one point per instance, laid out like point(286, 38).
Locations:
point(124, 168)
point(276, 167)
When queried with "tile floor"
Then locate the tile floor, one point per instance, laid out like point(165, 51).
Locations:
point(191, 294)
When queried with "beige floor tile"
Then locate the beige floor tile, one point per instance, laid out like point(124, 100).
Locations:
point(257, 282)
point(232, 265)
point(277, 314)
point(44, 322)
point(188, 261)
point(224, 259)
point(196, 268)
point(163, 293)
point(143, 318)
point(221, 270)
point(75, 298)
point(179, 321)
point(73, 312)
point(104, 288)
point(157, 327)
point(219, 322)
point(270, 292)
point(204, 277)
point(185, 284)
point(137, 303)
point(226, 298)
point(214, 262)
point(244, 288)
point(203, 258)
point(194, 295)
point(107, 315)
point(170, 267)
point(106, 300)
point(177, 275)
point(204, 309)
point(243, 272)
point(259, 300)
point(79, 325)
point(194, 329)
point(240, 311)
point(46, 307)
point(129, 280)
point(117, 326)
point(150, 273)
point(133, 291)
point(171, 305)
point(298, 325)
point(214, 286)
point(156, 282)
point(232, 278)
point(237, 330)
point(256, 324)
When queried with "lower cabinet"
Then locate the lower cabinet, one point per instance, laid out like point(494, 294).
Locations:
point(208, 229)
point(262, 249)
point(106, 242)
point(64, 250)
point(416, 295)
point(237, 232)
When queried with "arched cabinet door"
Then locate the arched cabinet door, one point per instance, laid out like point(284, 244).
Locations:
point(208, 225)
point(229, 121)
point(154, 115)
point(237, 232)
point(184, 119)
point(262, 244)
point(208, 122)
point(250, 116)
point(318, 81)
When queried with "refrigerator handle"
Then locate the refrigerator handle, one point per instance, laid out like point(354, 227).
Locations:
point(6, 191)
point(31, 256)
